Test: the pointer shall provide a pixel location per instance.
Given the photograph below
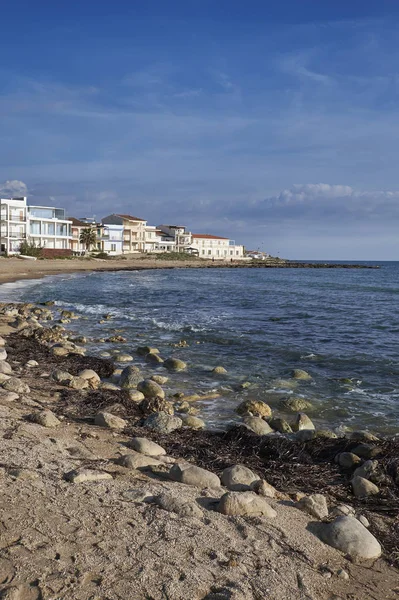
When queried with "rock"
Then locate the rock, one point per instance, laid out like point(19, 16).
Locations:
point(219, 371)
point(59, 351)
point(106, 385)
point(347, 460)
point(24, 474)
point(364, 521)
point(342, 510)
point(5, 368)
point(83, 475)
point(123, 357)
point(238, 478)
point(193, 422)
point(366, 451)
point(106, 419)
point(159, 379)
point(32, 363)
point(281, 425)
point(255, 408)
point(117, 339)
point(363, 487)
point(350, 537)
point(92, 377)
point(177, 505)
point(78, 383)
point(326, 434)
point(302, 421)
point(301, 374)
point(163, 422)
point(16, 385)
point(4, 378)
point(135, 460)
point(294, 403)
point(368, 470)
point(2, 342)
point(262, 488)
point(135, 395)
point(8, 396)
point(61, 376)
point(193, 475)
point(315, 505)
point(150, 389)
point(145, 446)
point(46, 418)
point(305, 435)
point(3, 354)
point(342, 574)
point(155, 405)
point(154, 359)
point(363, 436)
point(175, 364)
point(245, 504)
point(144, 350)
point(257, 425)
point(130, 377)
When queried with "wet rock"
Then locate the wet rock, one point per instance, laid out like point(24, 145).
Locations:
point(262, 488)
point(155, 405)
point(154, 359)
point(116, 339)
point(86, 475)
point(92, 377)
point(301, 374)
point(281, 425)
point(135, 395)
point(130, 377)
point(177, 505)
point(121, 358)
point(5, 368)
point(219, 371)
point(305, 435)
point(46, 418)
point(238, 478)
point(163, 422)
point(315, 505)
point(245, 504)
point(326, 434)
point(106, 419)
point(366, 451)
point(16, 385)
point(257, 425)
point(295, 404)
point(363, 436)
point(175, 364)
point(135, 460)
point(144, 350)
point(150, 389)
point(302, 421)
point(78, 383)
point(347, 460)
point(159, 379)
point(254, 408)
point(145, 446)
point(193, 422)
point(362, 488)
point(193, 475)
point(350, 537)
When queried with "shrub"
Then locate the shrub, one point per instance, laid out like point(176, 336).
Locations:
point(30, 249)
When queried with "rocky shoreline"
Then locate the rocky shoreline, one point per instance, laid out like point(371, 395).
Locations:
point(115, 490)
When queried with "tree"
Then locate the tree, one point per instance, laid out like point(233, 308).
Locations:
point(88, 237)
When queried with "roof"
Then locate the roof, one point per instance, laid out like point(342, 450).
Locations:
point(129, 217)
point(205, 236)
point(77, 223)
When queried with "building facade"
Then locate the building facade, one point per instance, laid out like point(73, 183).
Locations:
point(134, 234)
point(177, 234)
point(49, 228)
point(13, 224)
point(216, 247)
point(109, 238)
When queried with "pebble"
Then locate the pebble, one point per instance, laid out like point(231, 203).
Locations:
point(245, 504)
point(342, 574)
point(364, 521)
point(135, 460)
point(160, 379)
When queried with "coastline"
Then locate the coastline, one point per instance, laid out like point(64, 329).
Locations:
point(14, 269)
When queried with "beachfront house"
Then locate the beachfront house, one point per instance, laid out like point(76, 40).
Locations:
point(109, 238)
point(134, 234)
point(178, 235)
point(48, 228)
point(13, 224)
point(216, 247)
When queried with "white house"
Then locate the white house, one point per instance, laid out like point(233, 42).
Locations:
point(109, 238)
point(134, 233)
point(48, 227)
point(177, 234)
point(216, 247)
point(13, 224)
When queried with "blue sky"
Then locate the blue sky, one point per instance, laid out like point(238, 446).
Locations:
point(274, 123)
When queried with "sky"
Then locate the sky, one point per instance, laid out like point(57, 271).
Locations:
point(273, 123)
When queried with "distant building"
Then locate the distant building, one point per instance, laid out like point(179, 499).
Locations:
point(134, 234)
point(13, 224)
point(109, 238)
point(49, 228)
point(178, 234)
point(216, 247)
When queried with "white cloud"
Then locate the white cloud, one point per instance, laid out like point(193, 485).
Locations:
point(13, 188)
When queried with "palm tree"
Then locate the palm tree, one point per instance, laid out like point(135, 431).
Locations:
point(88, 237)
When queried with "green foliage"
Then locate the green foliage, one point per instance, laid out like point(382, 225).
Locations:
point(30, 249)
point(174, 256)
point(101, 255)
point(88, 237)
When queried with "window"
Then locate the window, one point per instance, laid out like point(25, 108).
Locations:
point(231, 252)
point(203, 251)
point(209, 251)
point(237, 253)
point(113, 247)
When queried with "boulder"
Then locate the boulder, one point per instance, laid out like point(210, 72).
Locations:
point(302, 421)
point(257, 425)
point(154, 359)
point(59, 351)
point(86, 475)
point(61, 376)
point(349, 536)
point(281, 425)
point(301, 374)
point(315, 505)
point(130, 377)
point(156, 405)
point(135, 460)
point(163, 422)
point(179, 506)
point(106, 419)
point(326, 434)
point(363, 436)
point(193, 422)
point(255, 408)
point(238, 478)
point(368, 470)
point(262, 488)
point(16, 385)
point(159, 379)
point(144, 350)
point(78, 383)
point(92, 377)
point(121, 358)
point(135, 395)
point(219, 371)
point(7, 396)
point(46, 418)
point(193, 475)
point(347, 460)
point(294, 404)
point(362, 488)
point(145, 446)
point(5, 368)
point(175, 364)
point(305, 435)
point(245, 504)
point(150, 389)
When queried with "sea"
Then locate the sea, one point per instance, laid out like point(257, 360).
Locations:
point(340, 325)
